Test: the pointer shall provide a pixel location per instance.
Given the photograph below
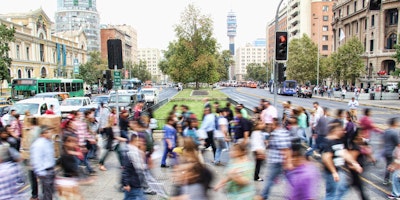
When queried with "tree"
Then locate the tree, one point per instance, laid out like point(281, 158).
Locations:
point(193, 56)
point(92, 70)
point(347, 61)
point(6, 36)
point(302, 60)
point(256, 72)
point(140, 71)
point(225, 61)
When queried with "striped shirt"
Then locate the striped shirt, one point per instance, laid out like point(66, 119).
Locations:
point(280, 139)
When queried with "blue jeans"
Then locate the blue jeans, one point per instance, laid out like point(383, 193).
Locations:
point(165, 154)
point(134, 194)
point(220, 144)
point(396, 183)
point(274, 170)
point(335, 190)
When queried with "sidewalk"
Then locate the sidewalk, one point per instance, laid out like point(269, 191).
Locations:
point(389, 104)
point(106, 186)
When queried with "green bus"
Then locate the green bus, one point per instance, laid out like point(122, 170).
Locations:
point(24, 88)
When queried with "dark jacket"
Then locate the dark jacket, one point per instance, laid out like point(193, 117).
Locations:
point(129, 174)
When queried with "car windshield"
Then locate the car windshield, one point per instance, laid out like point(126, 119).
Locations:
point(21, 108)
point(121, 99)
point(147, 92)
point(100, 99)
point(72, 102)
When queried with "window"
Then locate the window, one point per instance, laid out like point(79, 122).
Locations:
point(355, 6)
point(356, 26)
point(19, 73)
point(42, 52)
point(29, 74)
point(371, 45)
point(17, 51)
point(75, 2)
point(324, 47)
point(325, 28)
point(392, 16)
point(363, 3)
point(325, 18)
point(348, 10)
point(27, 53)
point(325, 38)
point(90, 3)
point(391, 41)
point(372, 20)
point(365, 24)
point(325, 8)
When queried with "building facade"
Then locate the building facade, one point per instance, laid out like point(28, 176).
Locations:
point(298, 16)
point(282, 26)
point(248, 55)
point(377, 31)
point(38, 53)
point(79, 15)
point(321, 27)
point(128, 37)
point(152, 57)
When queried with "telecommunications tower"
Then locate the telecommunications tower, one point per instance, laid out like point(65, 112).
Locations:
point(231, 25)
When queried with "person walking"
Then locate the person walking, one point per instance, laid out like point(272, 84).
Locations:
point(391, 141)
point(43, 162)
point(278, 155)
point(353, 105)
point(220, 134)
point(208, 127)
point(169, 140)
point(258, 147)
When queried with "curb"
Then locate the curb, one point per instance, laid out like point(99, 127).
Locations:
point(361, 103)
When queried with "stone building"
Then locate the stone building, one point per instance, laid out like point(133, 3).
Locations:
point(36, 52)
point(377, 31)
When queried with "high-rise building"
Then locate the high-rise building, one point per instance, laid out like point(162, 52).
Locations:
point(282, 26)
point(376, 29)
point(321, 28)
point(298, 16)
point(247, 55)
point(79, 14)
point(152, 56)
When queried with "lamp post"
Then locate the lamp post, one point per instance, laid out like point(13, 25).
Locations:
point(318, 38)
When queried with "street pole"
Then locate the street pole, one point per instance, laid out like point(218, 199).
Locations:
point(116, 94)
point(276, 63)
point(318, 35)
point(381, 87)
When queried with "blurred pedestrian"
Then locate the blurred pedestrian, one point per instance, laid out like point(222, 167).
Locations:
point(169, 140)
point(304, 177)
point(238, 179)
point(391, 141)
point(43, 162)
point(258, 147)
point(220, 135)
point(279, 145)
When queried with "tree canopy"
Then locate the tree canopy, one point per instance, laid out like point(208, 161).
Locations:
point(92, 70)
point(139, 70)
point(193, 56)
point(6, 36)
point(302, 60)
point(256, 72)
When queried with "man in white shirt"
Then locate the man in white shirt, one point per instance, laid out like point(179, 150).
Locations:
point(208, 126)
point(319, 112)
point(353, 105)
point(268, 114)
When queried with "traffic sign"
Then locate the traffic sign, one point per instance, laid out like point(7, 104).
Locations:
point(117, 78)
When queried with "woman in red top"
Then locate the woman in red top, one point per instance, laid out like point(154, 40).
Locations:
point(367, 126)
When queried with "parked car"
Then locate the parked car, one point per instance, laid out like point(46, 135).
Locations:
point(125, 101)
point(4, 110)
point(304, 93)
point(73, 104)
point(35, 106)
point(151, 95)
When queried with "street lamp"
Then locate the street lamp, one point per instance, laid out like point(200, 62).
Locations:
point(318, 36)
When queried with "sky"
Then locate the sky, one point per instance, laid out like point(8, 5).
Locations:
point(154, 20)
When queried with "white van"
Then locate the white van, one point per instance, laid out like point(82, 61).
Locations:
point(151, 95)
point(36, 106)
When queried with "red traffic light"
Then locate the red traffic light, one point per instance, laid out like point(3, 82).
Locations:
point(282, 39)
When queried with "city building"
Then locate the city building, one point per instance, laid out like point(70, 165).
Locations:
point(38, 53)
point(321, 27)
point(247, 55)
point(282, 26)
point(79, 15)
point(298, 16)
point(128, 37)
point(377, 31)
point(152, 56)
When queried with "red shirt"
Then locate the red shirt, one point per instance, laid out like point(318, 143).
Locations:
point(49, 112)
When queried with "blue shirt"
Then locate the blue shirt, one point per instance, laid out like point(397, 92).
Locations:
point(170, 133)
point(42, 155)
point(208, 123)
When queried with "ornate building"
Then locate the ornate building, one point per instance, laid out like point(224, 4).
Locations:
point(38, 53)
point(376, 29)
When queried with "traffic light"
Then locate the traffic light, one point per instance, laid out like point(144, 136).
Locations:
point(109, 80)
point(114, 50)
point(281, 45)
point(281, 72)
point(375, 5)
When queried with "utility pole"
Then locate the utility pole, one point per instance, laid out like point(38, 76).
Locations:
point(275, 62)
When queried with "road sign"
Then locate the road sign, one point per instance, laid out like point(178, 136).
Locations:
point(117, 78)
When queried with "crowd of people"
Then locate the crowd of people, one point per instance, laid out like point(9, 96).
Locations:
point(287, 143)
